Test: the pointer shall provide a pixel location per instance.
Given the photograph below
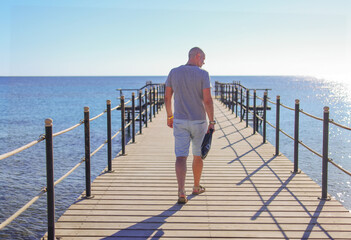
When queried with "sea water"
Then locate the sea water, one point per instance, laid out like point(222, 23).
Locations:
point(25, 102)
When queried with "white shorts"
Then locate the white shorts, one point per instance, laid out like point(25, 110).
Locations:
point(186, 131)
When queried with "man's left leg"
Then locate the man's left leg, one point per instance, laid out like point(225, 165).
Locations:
point(180, 167)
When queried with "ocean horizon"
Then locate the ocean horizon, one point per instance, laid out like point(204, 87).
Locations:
point(26, 101)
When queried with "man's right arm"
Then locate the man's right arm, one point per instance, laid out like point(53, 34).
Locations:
point(208, 103)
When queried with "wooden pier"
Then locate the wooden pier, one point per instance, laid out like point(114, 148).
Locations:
point(251, 193)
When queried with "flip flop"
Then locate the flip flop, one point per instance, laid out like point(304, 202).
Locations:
point(182, 198)
point(198, 190)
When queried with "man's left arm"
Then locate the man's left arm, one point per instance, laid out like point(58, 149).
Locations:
point(168, 103)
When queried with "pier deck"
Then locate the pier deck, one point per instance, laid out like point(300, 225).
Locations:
point(250, 193)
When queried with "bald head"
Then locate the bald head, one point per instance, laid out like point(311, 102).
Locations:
point(196, 57)
point(194, 51)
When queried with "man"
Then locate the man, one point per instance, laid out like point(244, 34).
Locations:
point(192, 100)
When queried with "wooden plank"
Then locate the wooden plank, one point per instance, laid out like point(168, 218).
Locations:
point(250, 193)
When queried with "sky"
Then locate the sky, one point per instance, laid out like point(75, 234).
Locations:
point(149, 37)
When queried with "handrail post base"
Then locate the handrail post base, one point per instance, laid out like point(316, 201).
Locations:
point(88, 197)
point(328, 198)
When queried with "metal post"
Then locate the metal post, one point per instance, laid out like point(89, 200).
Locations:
point(146, 103)
point(325, 154)
point(150, 100)
point(123, 126)
point(277, 126)
point(222, 92)
point(87, 152)
point(254, 118)
point(296, 136)
point(229, 98)
point(216, 89)
point(50, 179)
point(232, 103)
point(241, 104)
point(164, 93)
point(265, 116)
point(128, 121)
point(157, 99)
point(226, 95)
point(140, 112)
point(109, 136)
point(154, 100)
point(247, 106)
point(236, 101)
point(133, 117)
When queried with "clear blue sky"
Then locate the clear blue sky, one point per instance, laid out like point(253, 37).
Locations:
point(149, 37)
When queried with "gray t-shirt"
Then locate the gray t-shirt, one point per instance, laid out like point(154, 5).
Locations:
point(187, 82)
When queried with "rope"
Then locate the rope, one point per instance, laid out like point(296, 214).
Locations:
point(270, 124)
point(20, 149)
point(92, 119)
point(115, 135)
point(68, 129)
point(128, 125)
point(69, 172)
point(336, 165)
point(310, 149)
point(310, 115)
point(286, 134)
point(98, 149)
point(336, 124)
point(271, 102)
point(287, 107)
point(115, 108)
point(127, 102)
point(22, 209)
point(260, 98)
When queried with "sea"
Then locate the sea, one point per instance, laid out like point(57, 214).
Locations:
point(25, 103)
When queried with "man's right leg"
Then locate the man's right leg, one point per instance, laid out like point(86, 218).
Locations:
point(197, 170)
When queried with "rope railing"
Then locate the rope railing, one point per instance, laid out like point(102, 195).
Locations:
point(68, 129)
point(231, 99)
point(271, 102)
point(69, 172)
point(22, 209)
point(20, 149)
point(154, 100)
point(115, 108)
point(339, 125)
point(287, 107)
point(127, 125)
point(286, 134)
point(97, 116)
point(115, 135)
point(339, 167)
point(98, 149)
point(310, 115)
